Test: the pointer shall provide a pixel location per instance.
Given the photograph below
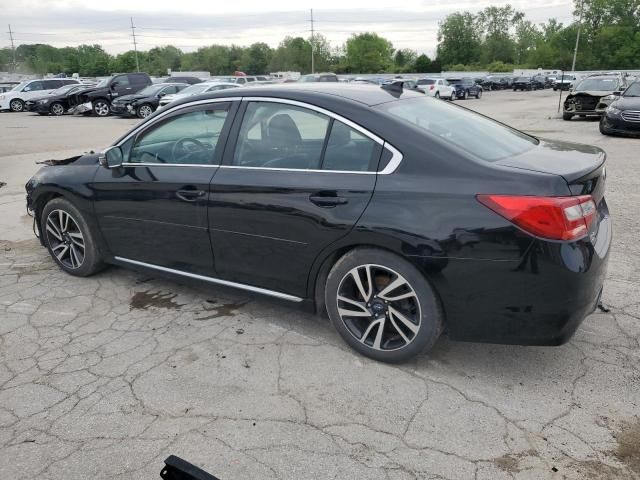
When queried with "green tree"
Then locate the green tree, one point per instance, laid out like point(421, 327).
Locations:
point(368, 53)
point(422, 64)
point(404, 60)
point(293, 54)
point(458, 39)
point(496, 24)
point(256, 58)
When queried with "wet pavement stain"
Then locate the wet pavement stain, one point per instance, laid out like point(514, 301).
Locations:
point(146, 299)
point(628, 451)
point(221, 310)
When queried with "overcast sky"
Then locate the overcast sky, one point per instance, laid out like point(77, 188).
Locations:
point(189, 24)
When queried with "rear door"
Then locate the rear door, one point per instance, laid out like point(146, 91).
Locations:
point(295, 181)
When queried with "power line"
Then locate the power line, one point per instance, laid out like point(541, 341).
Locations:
point(135, 45)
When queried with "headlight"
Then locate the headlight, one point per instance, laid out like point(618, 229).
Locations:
point(1, 97)
point(613, 110)
point(609, 98)
point(43, 102)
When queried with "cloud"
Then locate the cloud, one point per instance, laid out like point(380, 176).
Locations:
point(62, 23)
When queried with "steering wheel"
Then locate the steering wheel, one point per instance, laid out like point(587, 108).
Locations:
point(181, 145)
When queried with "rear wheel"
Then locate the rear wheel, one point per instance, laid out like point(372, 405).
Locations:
point(567, 116)
point(101, 108)
point(56, 109)
point(382, 306)
point(69, 239)
point(16, 105)
point(479, 94)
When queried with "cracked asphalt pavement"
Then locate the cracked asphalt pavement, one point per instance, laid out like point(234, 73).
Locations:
point(104, 377)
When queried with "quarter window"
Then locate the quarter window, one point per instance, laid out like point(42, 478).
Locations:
point(190, 138)
point(348, 150)
point(276, 135)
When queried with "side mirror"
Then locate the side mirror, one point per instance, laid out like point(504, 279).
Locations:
point(161, 94)
point(114, 85)
point(112, 157)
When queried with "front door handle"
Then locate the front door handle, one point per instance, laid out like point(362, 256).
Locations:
point(189, 195)
point(328, 201)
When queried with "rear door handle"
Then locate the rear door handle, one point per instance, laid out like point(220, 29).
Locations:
point(189, 195)
point(327, 201)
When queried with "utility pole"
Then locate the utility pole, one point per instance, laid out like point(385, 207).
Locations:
point(135, 45)
point(13, 47)
point(313, 44)
point(575, 50)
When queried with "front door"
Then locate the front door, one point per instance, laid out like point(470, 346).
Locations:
point(153, 209)
point(296, 181)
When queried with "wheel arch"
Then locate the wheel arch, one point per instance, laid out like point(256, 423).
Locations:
point(325, 261)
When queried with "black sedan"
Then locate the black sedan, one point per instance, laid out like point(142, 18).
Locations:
point(622, 117)
point(56, 102)
point(527, 83)
point(465, 87)
point(146, 101)
point(397, 214)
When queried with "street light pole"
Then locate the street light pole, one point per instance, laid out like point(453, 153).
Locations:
point(575, 50)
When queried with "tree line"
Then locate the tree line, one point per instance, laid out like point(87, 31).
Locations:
point(495, 39)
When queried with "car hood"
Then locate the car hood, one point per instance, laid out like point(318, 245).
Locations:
point(590, 93)
point(627, 103)
point(175, 96)
point(569, 160)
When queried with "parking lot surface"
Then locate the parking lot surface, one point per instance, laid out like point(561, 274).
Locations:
point(104, 377)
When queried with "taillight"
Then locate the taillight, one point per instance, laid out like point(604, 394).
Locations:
point(555, 218)
point(431, 87)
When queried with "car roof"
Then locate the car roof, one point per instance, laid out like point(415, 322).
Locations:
point(365, 94)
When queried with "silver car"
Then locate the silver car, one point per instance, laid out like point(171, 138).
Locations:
point(196, 89)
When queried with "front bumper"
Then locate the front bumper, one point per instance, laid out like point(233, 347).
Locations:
point(37, 107)
point(123, 109)
point(81, 108)
point(616, 125)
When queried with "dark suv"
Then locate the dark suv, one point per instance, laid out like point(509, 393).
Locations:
point(527, 83)
point(466, 87)
point(98, 99)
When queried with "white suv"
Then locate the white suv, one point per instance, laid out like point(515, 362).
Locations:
point(437, 87)
point(15, 98)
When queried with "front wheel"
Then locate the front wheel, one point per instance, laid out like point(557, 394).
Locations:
point(382, 306)
point(56, 109)
point(144, 111)
point(16, 105)
point(479, 94)
point(101, 108)
point(69, 239)
point(603, 128)
point(465, 95)
point(567, 116)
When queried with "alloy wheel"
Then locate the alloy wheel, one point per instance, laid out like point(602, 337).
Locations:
point(57, 109)
point(101, 109)
point(16, 105)
point(65, 239)
point(144, 111)
point(379, 307)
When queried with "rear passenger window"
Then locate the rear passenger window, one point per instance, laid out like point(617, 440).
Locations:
point(348, 150)
point(276, 135)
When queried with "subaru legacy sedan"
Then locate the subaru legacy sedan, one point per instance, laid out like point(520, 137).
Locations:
point(396, 214)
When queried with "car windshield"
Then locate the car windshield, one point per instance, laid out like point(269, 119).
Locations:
point(480, 136)
point(633, 90)
point(152, 89)
point(308, 78)
point(426, 81)
point(64, 89)
point(522, 79)
point(567, 77)
point(103, 83)
point(195, 89)
point(20, 86)
point(598, 84)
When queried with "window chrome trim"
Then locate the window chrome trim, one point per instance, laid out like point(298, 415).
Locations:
point(149, 164)
point(218, 281)
point(391, 167)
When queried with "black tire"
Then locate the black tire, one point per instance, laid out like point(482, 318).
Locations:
point(43, 114)
point(567, 116)
point(16, 105)
point(101, 107)
point(144, 110)
point(56, 109)
point(465, 95)
point(398, 340)
point(91, 259)
point(479, 94)
point(603, 128)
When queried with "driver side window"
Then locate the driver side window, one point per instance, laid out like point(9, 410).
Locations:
point(190, 138)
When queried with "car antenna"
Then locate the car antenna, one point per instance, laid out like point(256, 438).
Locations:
point(393, 86)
